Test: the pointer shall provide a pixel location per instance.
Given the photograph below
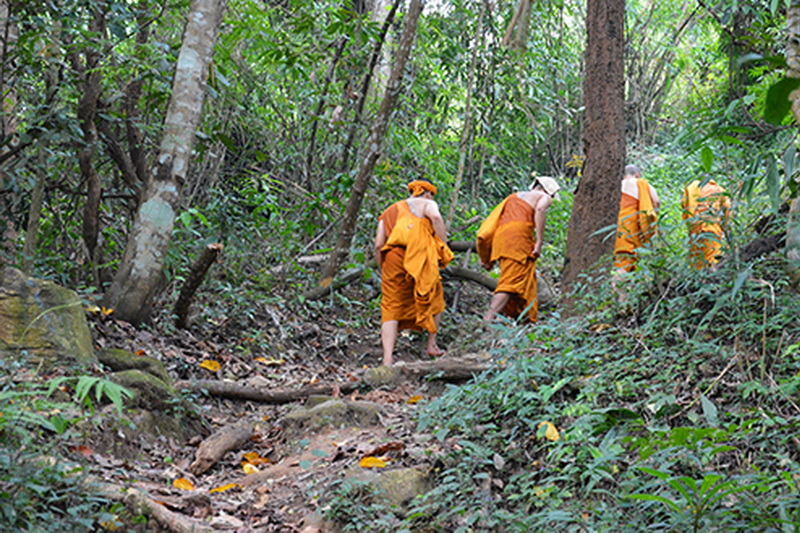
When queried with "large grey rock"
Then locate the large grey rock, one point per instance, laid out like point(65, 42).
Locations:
point(395, 488)
point(334, 413)
point(42, 320)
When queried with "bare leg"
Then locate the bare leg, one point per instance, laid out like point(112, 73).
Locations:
point(497, 303)
point(388, 339)
point(432, 348)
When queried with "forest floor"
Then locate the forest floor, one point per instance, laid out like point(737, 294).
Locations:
point(284, 477)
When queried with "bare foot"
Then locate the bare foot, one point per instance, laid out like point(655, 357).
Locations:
point(435, 352)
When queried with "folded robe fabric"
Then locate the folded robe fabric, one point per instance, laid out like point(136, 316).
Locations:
point(507, 235)
point(636, 224)
point(411, 284)
point(704, 209)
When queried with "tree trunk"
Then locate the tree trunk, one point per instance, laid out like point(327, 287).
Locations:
point(793, 61)
point(35, 213)
point(597, 197)
point(365, 85)
point(137, 281)
point(374, 141)
point(87, 111)
point(465, 133)
point(193, 281)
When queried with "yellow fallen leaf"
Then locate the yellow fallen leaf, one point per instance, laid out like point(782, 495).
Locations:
point(249, 468)
point(371, 462)
point(254, 459)
point(551, 433)
point(183, 483)
point(414, 399)
point(106, 311)
point(93, 309)
point(270, 361)
point(210, 364)
point(223, 488)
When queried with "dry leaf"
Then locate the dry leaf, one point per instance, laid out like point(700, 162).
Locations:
point(270, 361)
point(249, 468)
point(183, 483)
point(372, 462)
point(223, 488)
point(599, 328)
point(140, 352)
point(414, 399)
point(106, 311)
point(84, 451)
point(254, 459)
point(551, 433)
point(210, 364)
point(383, 449)
point(262, 501)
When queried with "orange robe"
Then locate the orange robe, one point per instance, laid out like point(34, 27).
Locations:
point(510, 240)
point(704, 209)
point(411, 284)
point(635, 226)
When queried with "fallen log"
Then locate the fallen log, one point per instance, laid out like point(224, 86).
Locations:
point(237, 391)
point(217, 445)
point(139, 502)
point(453, 369)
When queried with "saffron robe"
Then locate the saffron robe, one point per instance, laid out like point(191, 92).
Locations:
point(636, 224)
point(704, 209)
point(411, 285)
point(507, 235)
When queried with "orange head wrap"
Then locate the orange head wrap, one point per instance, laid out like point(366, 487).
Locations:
point(418, 187)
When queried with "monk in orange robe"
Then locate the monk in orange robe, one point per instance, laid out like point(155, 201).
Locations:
point(636, 222)
point(410, 247)
point(706, 208)
point(513, 234)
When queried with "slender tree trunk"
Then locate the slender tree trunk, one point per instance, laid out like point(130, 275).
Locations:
point(465, 133)
point(8, 127)
point(374, 141)
point(793, 60)
point(137, 282)
point(87, 111)
point(365, 85)
point(597, 198)
point(34, 213)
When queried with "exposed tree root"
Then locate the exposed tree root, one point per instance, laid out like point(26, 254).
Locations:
point(139, 502)
point(217, 445)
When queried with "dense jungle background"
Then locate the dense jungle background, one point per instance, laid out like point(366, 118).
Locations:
point(206, 177)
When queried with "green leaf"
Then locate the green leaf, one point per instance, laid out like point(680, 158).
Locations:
point(709, 411)
point(740, 279)
point(778, 104)
point(319, 453)
point(655, 498)
point(707, 158)
point(773, 184)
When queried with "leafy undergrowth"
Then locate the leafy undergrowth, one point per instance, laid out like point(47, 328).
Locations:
point(670, 405)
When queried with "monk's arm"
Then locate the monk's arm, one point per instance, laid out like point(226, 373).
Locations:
point(380, 240)
point(654, 197)
point(539, 218)
point(433, 214)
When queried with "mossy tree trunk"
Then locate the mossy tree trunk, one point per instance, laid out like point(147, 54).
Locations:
point(137, 282)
